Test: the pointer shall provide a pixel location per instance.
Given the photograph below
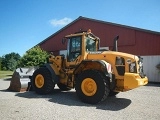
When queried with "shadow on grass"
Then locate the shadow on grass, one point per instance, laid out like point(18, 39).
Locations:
point(7, 79)
point(70, 98)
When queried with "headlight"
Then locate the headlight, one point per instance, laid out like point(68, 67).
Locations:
point(140, 64)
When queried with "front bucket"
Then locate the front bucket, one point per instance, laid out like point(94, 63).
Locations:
point(20, 79)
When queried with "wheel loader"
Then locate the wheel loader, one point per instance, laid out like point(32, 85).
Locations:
point(94, 73)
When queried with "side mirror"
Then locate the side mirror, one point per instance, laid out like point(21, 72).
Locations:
point(64, 40)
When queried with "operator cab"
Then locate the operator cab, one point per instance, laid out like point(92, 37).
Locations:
point(80, 43)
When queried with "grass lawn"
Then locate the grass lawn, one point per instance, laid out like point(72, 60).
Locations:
point(4, 74)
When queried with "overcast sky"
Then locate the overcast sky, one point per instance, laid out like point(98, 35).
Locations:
point(25, 23)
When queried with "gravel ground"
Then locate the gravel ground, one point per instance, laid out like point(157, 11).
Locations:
point(142, 103)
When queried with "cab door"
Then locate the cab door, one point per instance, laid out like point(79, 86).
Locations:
point(74, 50)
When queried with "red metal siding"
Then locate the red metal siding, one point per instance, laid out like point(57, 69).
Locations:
point(146, 44)
point(107, 33)
point(131, 40)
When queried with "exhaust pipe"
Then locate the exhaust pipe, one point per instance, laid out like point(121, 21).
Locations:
point(115, 48)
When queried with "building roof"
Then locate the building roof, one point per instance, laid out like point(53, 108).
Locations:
point(100, 21)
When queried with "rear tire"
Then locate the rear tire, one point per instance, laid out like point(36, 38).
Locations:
point(92, 87)
point(42, 81)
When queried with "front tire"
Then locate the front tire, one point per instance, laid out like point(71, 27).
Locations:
point(92, 87)
point(42, 81)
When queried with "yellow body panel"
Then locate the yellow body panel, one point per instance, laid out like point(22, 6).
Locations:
point(132, 80)
point(110, 57)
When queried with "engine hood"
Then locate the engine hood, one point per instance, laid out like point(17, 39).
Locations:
point(110, 55)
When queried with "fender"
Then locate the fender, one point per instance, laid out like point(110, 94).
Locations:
point(55, 77)
point(100, 65)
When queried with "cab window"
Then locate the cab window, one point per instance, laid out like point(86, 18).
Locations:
point(90, 44)
point(74, 48)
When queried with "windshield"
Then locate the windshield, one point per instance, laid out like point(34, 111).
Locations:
point(90, 44)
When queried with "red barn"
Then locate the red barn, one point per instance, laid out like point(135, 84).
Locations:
point(132, 40)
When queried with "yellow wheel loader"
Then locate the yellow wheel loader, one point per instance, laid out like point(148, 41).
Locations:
point(94, 73)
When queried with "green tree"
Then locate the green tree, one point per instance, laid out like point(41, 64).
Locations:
point(10, 61)
point(12, 64)
point(33, 57)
